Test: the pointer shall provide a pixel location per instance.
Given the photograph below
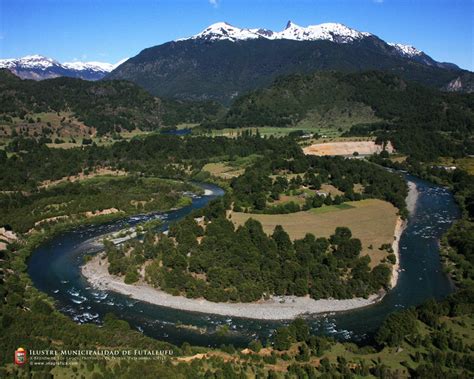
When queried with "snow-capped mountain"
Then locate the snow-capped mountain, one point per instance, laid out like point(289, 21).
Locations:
point(30, 61)
point(328, 31)
point(38, 67)
point(224, 61)
point(333, 32)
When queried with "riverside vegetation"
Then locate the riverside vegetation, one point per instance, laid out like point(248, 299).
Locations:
point(119, 196)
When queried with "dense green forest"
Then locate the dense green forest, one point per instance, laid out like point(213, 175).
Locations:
point(107, 106)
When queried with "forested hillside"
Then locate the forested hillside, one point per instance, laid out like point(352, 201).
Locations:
point(107, 106)
point(420, 121)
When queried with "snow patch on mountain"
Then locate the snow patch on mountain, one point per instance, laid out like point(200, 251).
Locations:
point(94, 66)
point(222, 31)
point(406, 50)
point(329, 31)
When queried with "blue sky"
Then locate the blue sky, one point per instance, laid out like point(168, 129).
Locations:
point(109, 30)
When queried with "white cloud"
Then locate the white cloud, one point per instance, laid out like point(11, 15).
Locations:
point(214, 3)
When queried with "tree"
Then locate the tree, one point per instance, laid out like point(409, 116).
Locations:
point(283, 339)
point(255, 345)
point(396, 327)
point(299, 330)
point(282, 239)
point(341, 235)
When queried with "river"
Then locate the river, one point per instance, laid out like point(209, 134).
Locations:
point(55, 269)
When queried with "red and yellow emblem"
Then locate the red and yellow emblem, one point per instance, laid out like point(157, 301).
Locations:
point(20, 356)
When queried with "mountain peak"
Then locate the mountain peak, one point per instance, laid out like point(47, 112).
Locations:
point(289, 24)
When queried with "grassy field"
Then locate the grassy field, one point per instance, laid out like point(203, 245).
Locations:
point(329, 188)
point(222, 170)
point(331, 208)
point(287, 199)
point(266, 131)
point(230, 169)
point(104, 172)
point(399, 158)
point(466, 164)
point(327, 134)
point(372, 221)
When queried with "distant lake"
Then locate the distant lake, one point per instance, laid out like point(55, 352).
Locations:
point(177, 132)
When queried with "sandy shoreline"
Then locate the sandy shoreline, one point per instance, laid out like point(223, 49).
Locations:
point(275, 308)
point(400, 226)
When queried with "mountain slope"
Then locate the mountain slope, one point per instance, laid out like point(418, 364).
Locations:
point(223, 61)
point(103, 107)
point(38, 67)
